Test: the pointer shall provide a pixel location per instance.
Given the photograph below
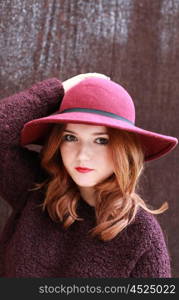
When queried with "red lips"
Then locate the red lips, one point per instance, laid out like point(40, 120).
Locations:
point(83, 170)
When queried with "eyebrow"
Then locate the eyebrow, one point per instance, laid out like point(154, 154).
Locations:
point(95, 133)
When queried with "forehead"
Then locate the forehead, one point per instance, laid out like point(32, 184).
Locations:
point(85, 127)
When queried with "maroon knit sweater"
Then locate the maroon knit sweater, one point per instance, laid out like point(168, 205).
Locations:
point(32, 245)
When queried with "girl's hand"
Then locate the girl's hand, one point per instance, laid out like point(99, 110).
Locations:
point(69, 83)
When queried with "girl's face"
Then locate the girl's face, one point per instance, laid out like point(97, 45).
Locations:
point(86, 146)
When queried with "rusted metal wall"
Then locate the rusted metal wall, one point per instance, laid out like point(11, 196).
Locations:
point(136, 42)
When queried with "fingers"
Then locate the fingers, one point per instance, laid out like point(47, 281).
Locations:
point(85, 75)
point(69, 83)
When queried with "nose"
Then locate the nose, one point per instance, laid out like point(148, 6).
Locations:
point(84, 152)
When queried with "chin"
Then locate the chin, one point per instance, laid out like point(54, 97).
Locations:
point(84, 184)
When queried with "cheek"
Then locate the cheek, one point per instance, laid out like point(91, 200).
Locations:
point(105, 158)
point(66, 154)
point(106, 155)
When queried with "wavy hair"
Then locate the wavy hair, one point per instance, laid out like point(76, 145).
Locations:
point(116, 198)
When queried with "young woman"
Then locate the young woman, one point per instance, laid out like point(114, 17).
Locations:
point(76, 211)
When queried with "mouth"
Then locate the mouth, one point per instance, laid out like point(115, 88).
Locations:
point(83, 170)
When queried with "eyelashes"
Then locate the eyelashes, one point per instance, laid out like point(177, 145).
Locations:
point(68, 138)
point(105, 141)
point(72, 138)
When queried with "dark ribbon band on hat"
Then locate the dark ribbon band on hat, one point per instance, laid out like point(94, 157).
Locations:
point(96, 111)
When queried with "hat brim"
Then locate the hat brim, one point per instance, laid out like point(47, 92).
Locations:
point(154, 144)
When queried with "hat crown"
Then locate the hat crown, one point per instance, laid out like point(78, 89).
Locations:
point(100, 94)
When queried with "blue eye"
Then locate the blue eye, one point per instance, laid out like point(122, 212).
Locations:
point(103, 141)
point(68, 137)
point(72, 138)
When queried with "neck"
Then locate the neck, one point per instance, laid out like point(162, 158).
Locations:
point(87, 193)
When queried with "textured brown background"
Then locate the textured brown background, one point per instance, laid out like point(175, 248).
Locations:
point(135, 42)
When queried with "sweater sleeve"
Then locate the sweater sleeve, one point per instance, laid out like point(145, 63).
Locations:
point(153, 264)
point(19, 165)
point(155, 261)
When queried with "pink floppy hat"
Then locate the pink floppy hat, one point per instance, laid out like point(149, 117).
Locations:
point(102, 102)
